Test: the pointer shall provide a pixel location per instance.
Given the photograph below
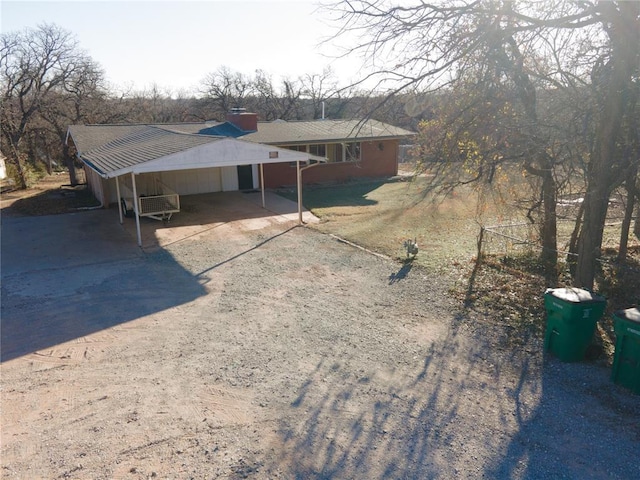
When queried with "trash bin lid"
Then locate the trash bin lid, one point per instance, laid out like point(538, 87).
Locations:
point(632, 314)
point(575, 295)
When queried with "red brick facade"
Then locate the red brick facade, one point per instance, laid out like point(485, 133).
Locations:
point(377, 159)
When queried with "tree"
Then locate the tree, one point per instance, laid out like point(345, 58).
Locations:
point(614, 77)
point(521, 47)
point(317, 89)
point(226, 90)
point(271, 104)
point(83, 98)
point(36, 66)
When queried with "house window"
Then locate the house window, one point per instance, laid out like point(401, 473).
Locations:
point(352, 152)
point(318, 149)
point(347, 152)
point(296, 148)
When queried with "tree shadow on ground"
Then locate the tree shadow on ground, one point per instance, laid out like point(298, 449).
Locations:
point(395, 424)
point(467, 410)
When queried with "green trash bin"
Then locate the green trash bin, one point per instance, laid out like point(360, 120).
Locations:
point(572, 315)
point(626, 359)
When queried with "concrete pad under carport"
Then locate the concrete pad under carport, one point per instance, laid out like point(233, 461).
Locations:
point(209, 212)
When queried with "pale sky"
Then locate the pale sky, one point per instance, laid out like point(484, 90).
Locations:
point(175, 44)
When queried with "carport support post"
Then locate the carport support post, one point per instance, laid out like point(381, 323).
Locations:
point(299, 175)
point(262, 183)
point(135, 208)
point(119, 202)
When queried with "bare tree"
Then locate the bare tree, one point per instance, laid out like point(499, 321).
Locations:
point(525, 47)
point(226, 90)
point(34, 65)
point(318, 89)
point(271, 103)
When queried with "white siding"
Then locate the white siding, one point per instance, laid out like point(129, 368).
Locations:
point(191, 182)
point(229, 178)
point(256, 176)
point(183, 182)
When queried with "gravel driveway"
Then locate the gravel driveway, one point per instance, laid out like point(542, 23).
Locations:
point(265, 350)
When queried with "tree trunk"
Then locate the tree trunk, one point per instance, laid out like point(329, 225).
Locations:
point(636, 224)
point(69, 161)
point(549, 225)
point(573, 242)
point(604, 169)
point(16, 158)
point(630, 185)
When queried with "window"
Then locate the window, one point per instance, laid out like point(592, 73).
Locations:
point(347, 152)
point(319, 149)
point(297, 148)
point(352, 152)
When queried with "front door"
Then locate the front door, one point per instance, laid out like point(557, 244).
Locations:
point(245, 177)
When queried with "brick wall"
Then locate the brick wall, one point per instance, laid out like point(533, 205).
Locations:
point(377, 159)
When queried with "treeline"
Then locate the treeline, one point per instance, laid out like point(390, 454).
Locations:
point(49, 83)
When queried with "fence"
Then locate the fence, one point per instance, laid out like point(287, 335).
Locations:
point(521, 238)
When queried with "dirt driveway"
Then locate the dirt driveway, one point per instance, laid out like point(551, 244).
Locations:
point(265, 350)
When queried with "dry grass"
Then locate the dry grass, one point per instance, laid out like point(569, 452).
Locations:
point(50, 196)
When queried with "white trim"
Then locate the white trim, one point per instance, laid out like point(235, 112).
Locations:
point(227, 152)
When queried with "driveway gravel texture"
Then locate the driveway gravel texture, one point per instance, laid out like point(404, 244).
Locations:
point(260, 349)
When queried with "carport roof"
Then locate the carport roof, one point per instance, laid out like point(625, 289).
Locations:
point(130, 146)
point(149, 148)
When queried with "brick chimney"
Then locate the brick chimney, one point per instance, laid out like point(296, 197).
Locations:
point(244, 120)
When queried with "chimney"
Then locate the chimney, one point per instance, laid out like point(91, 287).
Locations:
point(243, 120)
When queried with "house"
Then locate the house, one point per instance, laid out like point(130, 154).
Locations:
point(155, 164)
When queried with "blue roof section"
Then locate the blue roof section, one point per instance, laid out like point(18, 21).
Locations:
point(225, 129)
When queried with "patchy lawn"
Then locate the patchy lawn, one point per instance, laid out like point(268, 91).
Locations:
point(381, 215)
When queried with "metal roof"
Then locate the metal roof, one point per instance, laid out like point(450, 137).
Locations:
point(137, 145)
point(88, 137)
point(113, 150)
point(282, 132)
point(148, 148)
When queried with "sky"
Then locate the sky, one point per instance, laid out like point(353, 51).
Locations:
point(175, 44)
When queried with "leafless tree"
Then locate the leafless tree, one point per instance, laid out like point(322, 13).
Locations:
point(35, 66)
point(226, 90)
point(522, 47)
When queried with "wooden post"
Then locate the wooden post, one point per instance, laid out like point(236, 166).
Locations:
point(479, 255)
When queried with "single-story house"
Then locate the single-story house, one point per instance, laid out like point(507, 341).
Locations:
point(156, 163)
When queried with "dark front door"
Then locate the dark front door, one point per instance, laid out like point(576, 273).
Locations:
point(245, 177)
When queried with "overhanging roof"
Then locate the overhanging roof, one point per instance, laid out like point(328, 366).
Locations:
point(146, 148)
point(281, 132)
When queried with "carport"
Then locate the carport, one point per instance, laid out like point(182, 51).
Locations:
point(158, 156)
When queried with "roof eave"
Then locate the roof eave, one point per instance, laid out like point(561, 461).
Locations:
point(339, 140)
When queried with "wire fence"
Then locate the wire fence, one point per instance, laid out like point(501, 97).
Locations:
point(517, 239)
